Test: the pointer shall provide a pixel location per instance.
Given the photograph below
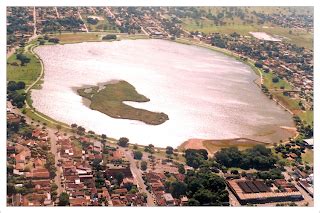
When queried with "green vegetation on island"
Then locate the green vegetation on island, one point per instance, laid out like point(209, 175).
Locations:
point(109, 100)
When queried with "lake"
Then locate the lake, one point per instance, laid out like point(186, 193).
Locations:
point(206, 94)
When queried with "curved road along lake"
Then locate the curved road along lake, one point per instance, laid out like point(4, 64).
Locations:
point(206, 94)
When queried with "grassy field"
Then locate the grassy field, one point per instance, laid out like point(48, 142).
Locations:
point(267, 81)
point(67, 38)
point(265, 9)
point(109, 100)
point(242, 143)
point(295, 36)
point(102, 25)
point(307, 157)
point(160, 153)
point(27, 73)
point(78, 37)
point(307, 116)
point(298, 37)
point(35, 117)
point(208, 26)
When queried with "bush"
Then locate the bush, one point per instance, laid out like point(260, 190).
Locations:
point(23, 59)
point(194, 158)
point(258, 64)
point(258, 157)
point(64, 199)
point(13, 86)
point(275, 79)
point(137, 155)
point(143, 165)
point(54, 40)
point(109, 37)
point(92, 21)
point(123, 142)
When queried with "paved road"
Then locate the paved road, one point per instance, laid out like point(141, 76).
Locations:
point(57, 13)
point(84, 24)
point(137, 175)
point(54, 150)
point(34, 22)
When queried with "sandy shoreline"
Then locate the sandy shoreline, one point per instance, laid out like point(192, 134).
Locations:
point(213, 145)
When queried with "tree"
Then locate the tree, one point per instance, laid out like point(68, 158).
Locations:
point(204, 196)
point(64, 199)
point(104, 137)
point(275, 79)
point(229, 157)
point(13, 86)
point(91, 132)
point(177, 189)
point(81, 130)
point(54, 40)
point(22, 58)
point(258, 64)
point(21, 85)
point(50, 165)
point(149, 148)
point(54, 187)
point(11, 189)
point(123, 142)
point(119, 177)
point(181, 169)
point(206, 187)
point(137, 155)
point(41, 42)
point(109, 37)
point(92, 21)
point(193, 202)
point(59, 127)
point(257, 157)
point(169, 150)
point(195, 158)
point(96, 164)
point(74, 125)
point(143, 165)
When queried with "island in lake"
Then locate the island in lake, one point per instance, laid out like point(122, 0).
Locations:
point(109, 99)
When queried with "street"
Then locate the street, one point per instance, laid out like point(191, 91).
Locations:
point(138, 176)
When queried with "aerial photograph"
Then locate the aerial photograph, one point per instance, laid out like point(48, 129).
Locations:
point(159, 106)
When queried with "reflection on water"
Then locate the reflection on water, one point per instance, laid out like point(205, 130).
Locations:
point(204, 93)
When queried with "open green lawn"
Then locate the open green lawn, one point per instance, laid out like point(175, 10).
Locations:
point(66, 38)
point(102, 25)
point(109, 100)
point(306, 116)
point(265, 9)
point(78, 37)
point(308, 156)
point(242, 143)
point(35, 117)
point(292, 104)
point(27, 73)
point(208, 26)
point(298, 37)
point(271, 85)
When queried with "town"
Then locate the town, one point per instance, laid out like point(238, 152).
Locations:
point(51, 164)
